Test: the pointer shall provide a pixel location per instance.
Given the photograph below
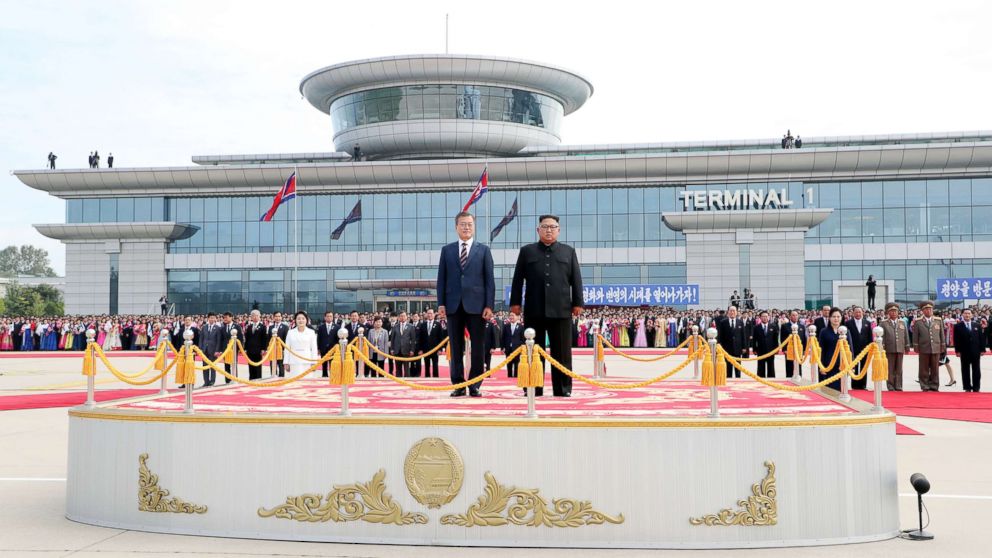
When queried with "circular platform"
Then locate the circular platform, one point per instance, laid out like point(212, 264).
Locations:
point(638, 469)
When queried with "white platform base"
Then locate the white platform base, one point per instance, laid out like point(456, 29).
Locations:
point(834, 479)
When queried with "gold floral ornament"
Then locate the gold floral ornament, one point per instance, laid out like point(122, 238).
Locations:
point(151, 498)
point(503, 505)
point(351, 502)
point(760, 509)
point(434, 472)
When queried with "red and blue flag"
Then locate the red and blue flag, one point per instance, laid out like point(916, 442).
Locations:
point(286, 193)
point(481, 188)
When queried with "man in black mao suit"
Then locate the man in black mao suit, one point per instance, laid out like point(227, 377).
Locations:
point(430, 335)
point(764, 338)
point(230, 330)
point(550, 272)
point(513, 337)
point(327, 337)
point(281, 329)
point(256, 340)
point(730, 335)
point(785, 330)
point(859, 336)
point(969, 344)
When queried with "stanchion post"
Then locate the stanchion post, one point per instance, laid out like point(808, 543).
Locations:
point(91, 379)
point(188, 388)
point(273, 365)
point(342, 351)
point(880, 344)
point(714, 395)
point(359, 363)
point(695, 347)
point(814, 366)
point(597, 365)
point(529, 335)
point(791, 355)
point(165, 360)
point(845, 379)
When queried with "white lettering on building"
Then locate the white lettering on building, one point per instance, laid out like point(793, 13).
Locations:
point(700, 200)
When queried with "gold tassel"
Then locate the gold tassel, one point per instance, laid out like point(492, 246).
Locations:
point(536, 371)
point(707, 357)
point(845, 357)
point(89, 361)
point(348, 368)
point(189, 369)
point(523, 378)
point(879, 366)
point(181, 365)
point(232, 350)
point(160, 359)
point(720, 370)
point(277, 350)
point(336, 370)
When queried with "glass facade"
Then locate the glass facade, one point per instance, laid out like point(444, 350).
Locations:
point(115, 210)
point(468, 102)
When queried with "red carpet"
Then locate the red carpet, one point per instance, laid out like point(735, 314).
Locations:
point(967, 407)
point(48, 400)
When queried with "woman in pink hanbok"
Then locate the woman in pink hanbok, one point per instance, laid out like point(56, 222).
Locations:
point(582, 334)
point(640, 338)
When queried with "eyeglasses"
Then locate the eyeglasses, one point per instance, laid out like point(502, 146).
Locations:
point(549, 227)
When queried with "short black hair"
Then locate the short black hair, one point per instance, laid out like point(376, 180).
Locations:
point(228, 315)
point(464, 214)
point(211, 314)
point(548, 216)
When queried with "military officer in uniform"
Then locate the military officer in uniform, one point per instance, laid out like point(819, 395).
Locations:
point(895, 340)
point(930, 343)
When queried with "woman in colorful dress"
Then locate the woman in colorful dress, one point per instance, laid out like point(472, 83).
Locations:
point(102, 333)
point(27, 336)
point(79, 337)
point(583, 338)
point(6, 336)
point(640, 337)
point(70, 335)
point(114, 338)
point(140, 337)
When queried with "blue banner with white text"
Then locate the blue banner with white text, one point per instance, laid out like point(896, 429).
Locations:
point(964, 288)
point(634, 295)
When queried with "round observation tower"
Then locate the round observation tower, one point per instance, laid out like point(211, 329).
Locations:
point(444, 106)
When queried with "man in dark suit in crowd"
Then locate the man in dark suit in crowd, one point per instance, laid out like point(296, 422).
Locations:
point(210, 345)
point(969, 344)
point(466, 293)
point(859, 336)
point(823, 319)
point(549, 270)
point(256, 340)
point(230, 330)
point(429, 336)
point(492, 342)
point(513, 337)
point(730, 335)
point(764, 338)
point(18, 325)
point(402, 343)
point(354, 323)
point(415, 366)
point(281, 329)
point(785, 330)
point(327, 337)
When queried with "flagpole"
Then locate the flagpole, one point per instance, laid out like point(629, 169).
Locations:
point(296, 243)
point(488, 198)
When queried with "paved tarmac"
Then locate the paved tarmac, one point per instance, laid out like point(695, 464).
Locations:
point(955, 456)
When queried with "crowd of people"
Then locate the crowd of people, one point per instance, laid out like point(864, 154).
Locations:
point(790, 142)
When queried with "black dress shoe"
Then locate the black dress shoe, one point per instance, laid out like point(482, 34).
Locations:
point(475, 393)
point(566, 394)
point(458, 393)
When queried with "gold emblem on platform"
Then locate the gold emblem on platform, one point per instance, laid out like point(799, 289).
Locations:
point(434, 472)
point(151, 498)
point(760, 509)
point(350, 502)
point(503, 505)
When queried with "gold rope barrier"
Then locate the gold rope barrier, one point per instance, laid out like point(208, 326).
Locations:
point(124, 377)
point(466, 383)
point(774, 352)
point(784, 387)
point(409, 359)
point(645, 359)
point(265, 358)
point(277, 383)
point(544, 354)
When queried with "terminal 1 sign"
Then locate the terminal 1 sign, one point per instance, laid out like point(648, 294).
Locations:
point(703, 200)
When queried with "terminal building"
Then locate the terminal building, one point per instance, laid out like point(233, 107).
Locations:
point(798, 227)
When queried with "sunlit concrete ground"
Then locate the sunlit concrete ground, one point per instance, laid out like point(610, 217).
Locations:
point(956, 456)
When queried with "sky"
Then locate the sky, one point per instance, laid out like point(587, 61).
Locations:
point(157, 82)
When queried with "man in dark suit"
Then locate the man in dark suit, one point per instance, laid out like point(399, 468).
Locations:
point(327, 337)
point(730, 335)
point(256, 340)
point(18, 325)
point(466, 293)
point(230, 330)
point(429, 336)
point(764, 338)
point(354, 323)
point(281, 329)
point(492, 342)
point(513, 337)
point(859, 336)
point(402, 343)
point(823, 319)
point(549, 270)
point(969, 344)
point(415, 366)
point(210, 345)
point(785, 330)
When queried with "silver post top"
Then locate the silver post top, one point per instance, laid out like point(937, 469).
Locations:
point(164, 331)
point(342, 334)
point(361, 332)
point(811, 330)
point(878, 332)
point(90, 335)
point(795, 328)
point(595, 329)
point(695, 330)
point(529, 334)
point(842, 331)
point(711, 334)
point(188, 335)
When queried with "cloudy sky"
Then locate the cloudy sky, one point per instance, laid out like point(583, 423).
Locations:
point(156, 82)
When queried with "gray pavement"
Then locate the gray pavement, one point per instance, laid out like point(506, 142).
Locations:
point(955, 456)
